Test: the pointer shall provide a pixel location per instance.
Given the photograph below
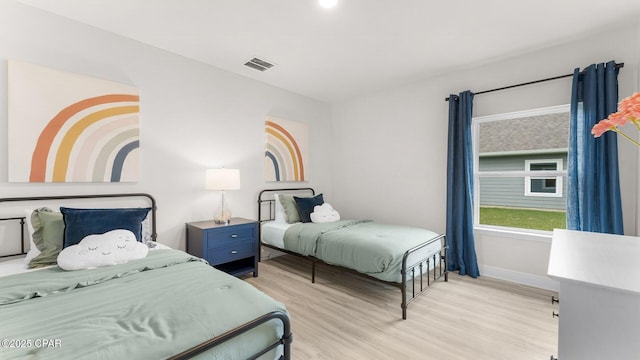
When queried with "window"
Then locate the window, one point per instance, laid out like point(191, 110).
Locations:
point(543, 185)
point(519, 167)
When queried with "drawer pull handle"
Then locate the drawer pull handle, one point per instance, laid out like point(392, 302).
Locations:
point(555, 314)
point(553, 358)
point(555, 300)
point(234, 252)
point(234, 236)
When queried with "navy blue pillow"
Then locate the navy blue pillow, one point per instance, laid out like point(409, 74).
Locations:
point(306, 205)
point(79, 223)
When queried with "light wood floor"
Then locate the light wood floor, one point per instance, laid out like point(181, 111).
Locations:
point(343, 316)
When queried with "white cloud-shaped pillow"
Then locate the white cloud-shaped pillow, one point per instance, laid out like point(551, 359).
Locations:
point(324, 213)
point(111, 248)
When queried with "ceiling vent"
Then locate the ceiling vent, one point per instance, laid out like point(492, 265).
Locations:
point(259, 64)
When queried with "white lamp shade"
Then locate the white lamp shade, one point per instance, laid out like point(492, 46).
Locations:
point(222, 179)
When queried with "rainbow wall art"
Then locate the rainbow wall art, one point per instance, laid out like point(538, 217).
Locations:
point(285, 157)
point(66, 127)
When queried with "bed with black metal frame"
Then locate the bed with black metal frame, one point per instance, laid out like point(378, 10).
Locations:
point(412, 273)
point(278, 316)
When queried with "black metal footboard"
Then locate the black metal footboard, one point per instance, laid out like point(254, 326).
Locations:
point(285, 340)
point(439, 261)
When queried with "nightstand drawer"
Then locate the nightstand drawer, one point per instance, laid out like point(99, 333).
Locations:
point(229, 236)
point(231, 252)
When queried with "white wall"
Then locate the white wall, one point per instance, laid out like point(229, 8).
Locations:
point(193, 117)
point(390, 146)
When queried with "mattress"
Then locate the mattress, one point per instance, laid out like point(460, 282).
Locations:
point(272, 233)
point(15, 266)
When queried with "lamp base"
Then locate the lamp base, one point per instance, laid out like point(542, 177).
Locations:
point(224, 218)
point(222, 221)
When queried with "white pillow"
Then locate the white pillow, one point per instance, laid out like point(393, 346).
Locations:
point(33, 250)
point(280, 217)
point(324, 213)
point(111, 248)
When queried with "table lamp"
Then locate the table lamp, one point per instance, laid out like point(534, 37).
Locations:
point(222, 179)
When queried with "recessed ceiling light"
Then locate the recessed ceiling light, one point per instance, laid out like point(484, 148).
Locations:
point(328, 4)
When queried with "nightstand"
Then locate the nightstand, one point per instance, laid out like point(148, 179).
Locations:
point(232, 248)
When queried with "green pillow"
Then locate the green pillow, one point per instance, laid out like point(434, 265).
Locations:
point(290, 208)
point(48, 233)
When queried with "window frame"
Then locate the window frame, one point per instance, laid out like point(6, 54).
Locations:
point(527, 179)
point(475, 127)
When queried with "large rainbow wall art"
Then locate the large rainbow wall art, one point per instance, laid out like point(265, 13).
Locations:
point(66, 127)
point(285, 156)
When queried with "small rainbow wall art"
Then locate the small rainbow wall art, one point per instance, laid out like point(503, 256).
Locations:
point(65, 127)
point(285, 157)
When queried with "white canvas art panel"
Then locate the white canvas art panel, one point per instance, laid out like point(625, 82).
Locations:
point(66, 127)
point(286, 154)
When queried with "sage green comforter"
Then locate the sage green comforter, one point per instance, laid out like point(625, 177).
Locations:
point(368, 247)
point(150, 308)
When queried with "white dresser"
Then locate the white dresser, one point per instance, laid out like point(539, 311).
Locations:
point(599, 309)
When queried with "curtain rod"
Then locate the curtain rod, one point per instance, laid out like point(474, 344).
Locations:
point(618, 66)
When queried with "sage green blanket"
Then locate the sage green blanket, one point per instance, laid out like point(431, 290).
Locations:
point(368, 247)
point(150, 308)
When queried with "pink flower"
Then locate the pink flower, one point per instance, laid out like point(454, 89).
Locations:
point(618, 118)
point(602, 127)
point(630, 105)
point(628, 111)
point(629, 101)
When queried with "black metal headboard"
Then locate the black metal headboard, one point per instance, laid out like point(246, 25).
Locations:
point(150, 198)
point(266, 201)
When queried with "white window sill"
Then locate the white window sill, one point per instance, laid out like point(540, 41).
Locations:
point(521, 234)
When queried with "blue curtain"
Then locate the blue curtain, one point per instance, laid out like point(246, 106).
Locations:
point(461, 255)
point(593, 189)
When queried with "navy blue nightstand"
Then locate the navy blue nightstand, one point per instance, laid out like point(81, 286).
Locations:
point(232, 248)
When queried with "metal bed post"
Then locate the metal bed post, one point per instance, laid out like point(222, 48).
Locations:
point(22, 252)
point(313, 271)
point(406, 267)
point(428, 278)
point(421, 280)
point(403, 289)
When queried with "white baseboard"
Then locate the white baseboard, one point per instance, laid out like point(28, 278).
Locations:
point(538, 281)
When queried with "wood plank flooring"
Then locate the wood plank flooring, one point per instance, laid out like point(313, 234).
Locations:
point(343, 316)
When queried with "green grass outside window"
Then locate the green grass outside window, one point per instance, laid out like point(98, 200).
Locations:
point(523, 218)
